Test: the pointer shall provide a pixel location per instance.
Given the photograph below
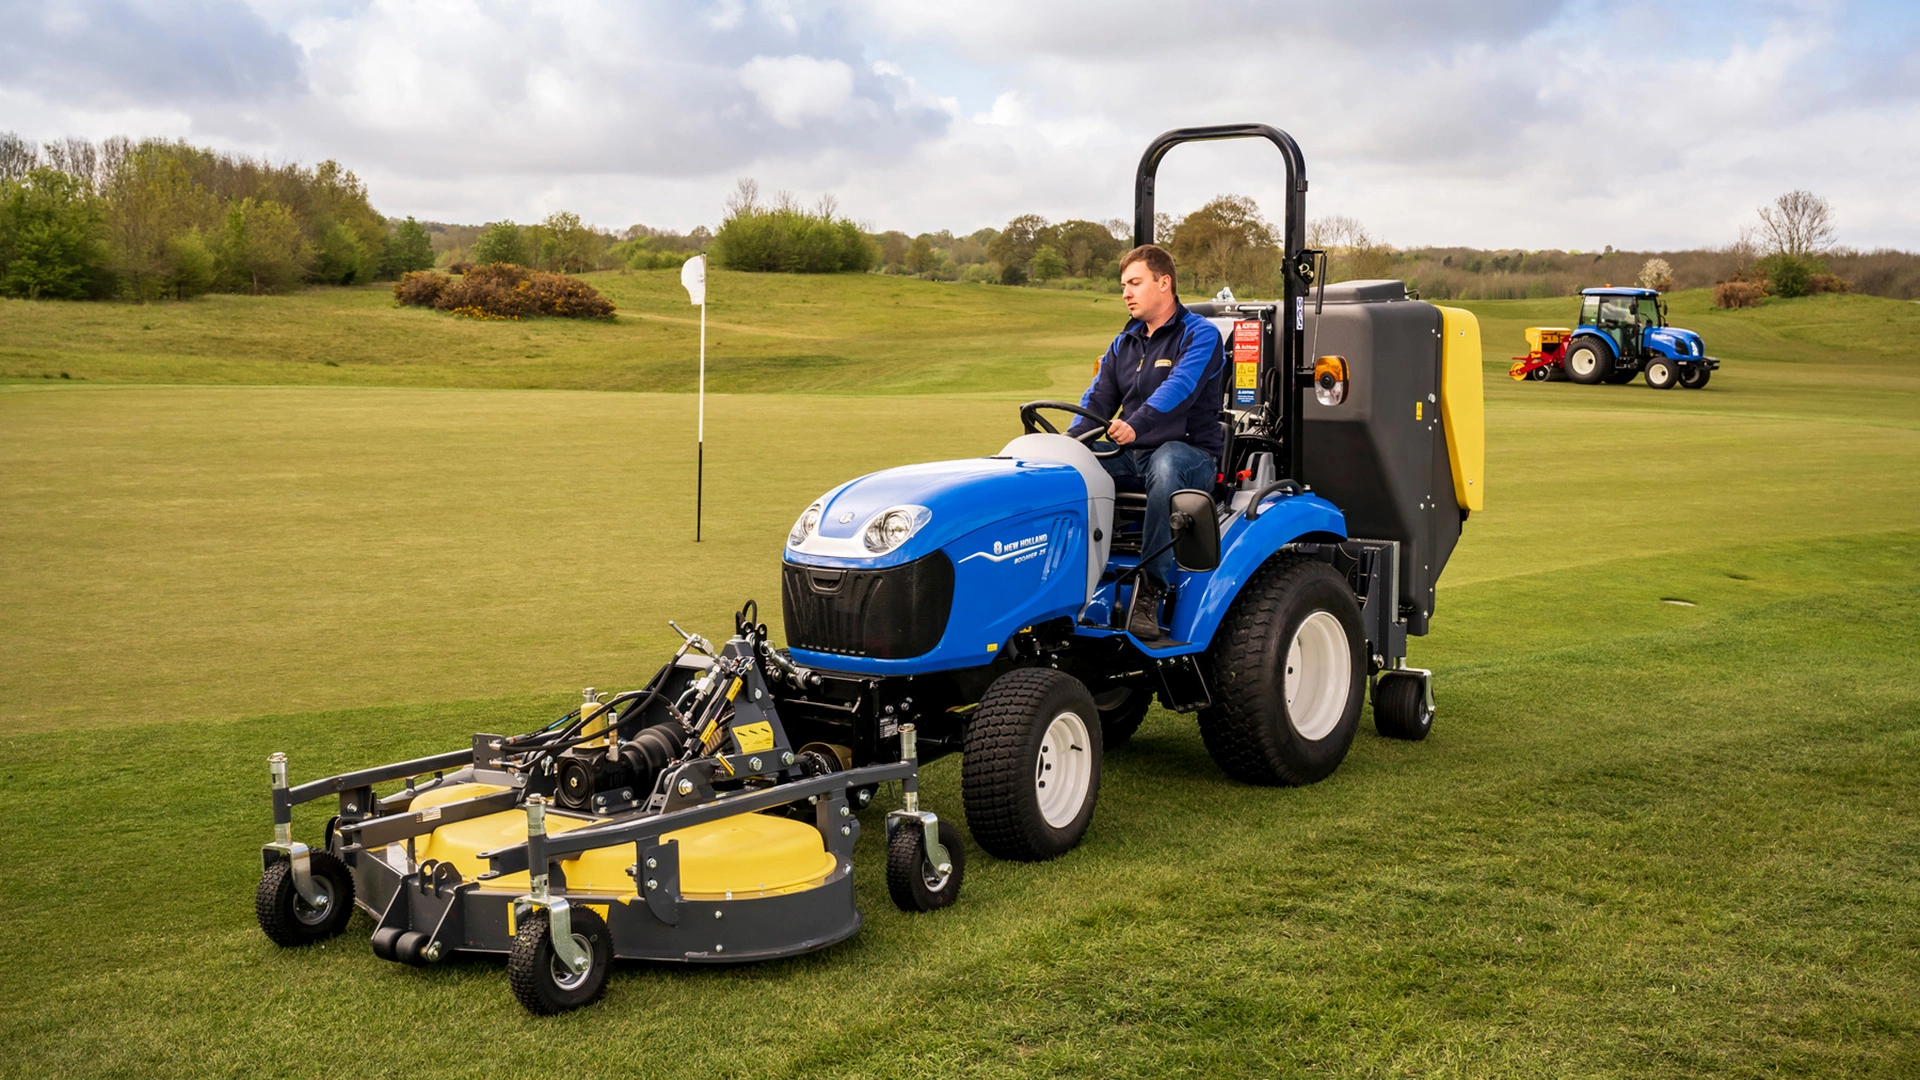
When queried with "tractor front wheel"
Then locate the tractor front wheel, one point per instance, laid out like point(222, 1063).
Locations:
point(1695, 376)
point(1289, 676)
point(1030, 771)
point(1662, 374)
point(544, 985)
point(1588, 361)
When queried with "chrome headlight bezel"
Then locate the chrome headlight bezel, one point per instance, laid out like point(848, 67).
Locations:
point(892, 527)
point(804, 526)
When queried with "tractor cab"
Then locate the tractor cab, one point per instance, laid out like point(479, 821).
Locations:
point(1623, 315)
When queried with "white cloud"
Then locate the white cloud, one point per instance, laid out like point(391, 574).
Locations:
point(795, 89)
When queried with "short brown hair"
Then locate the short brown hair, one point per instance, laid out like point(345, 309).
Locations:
point(1159, 263)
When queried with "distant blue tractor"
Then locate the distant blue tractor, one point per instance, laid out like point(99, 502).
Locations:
point(980, 603)
point(1624, 332)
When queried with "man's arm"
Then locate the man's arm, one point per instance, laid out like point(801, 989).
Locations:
point(1164, 416)
point(1103, 394)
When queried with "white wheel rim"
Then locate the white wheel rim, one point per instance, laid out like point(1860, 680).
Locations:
point(1064, 770)
point(1583, 361)
point(1317, 675)
point(1659, 373)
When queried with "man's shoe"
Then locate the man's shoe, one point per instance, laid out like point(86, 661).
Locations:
point(1143, 616)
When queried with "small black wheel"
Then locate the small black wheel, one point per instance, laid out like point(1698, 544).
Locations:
point(1695, 376)
point(287, 919)
point(1588, 361)
point(544, 985)
point(1662, 373)
point(1542, 373)
point(1289, 676)
point(1400, 708)
point(411, 947)
point(1031, 768)
point(915, 883)
point(1121, 712)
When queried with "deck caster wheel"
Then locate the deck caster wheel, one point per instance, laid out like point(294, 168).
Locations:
point(1121, 712)
point(1400, 709)
point(914, 882)
point(287, 919)
point(1662, 374)
point(1031, 768)
point(1289, 676)
point(540, 981)
point(411, 948)
point(1695, 376)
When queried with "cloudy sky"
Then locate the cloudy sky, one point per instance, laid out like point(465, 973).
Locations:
point(1490, 123)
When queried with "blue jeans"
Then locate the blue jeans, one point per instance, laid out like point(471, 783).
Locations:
point(1163, 470)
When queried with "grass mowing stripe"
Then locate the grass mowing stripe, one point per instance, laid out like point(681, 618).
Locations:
point(1600, 864)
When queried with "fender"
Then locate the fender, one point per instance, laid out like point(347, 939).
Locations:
point(1597, 334)
point(1203, 599)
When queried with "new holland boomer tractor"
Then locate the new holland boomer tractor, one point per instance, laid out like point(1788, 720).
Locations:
point(971, 606)
point(1622, 333)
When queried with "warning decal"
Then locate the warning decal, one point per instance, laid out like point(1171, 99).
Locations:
point(1246, 362)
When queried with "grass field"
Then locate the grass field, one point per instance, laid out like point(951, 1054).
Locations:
point(1644, 839)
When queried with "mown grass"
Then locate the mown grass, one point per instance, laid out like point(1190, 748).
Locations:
point(1644, 839)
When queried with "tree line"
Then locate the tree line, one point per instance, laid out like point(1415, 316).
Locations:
point(157, 218)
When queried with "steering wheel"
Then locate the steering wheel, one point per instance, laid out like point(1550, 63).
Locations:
point(1034, 423)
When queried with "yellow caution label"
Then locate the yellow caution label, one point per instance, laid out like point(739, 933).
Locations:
point(754, 738)
point(1246, 375)
point(1419, 407)
point(733, 691)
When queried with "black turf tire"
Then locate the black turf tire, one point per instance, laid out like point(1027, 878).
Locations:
point(530, 963)
point(911, 880)
point(1118, 724)
point(1400, 708)
point(286, 919)
point(1002, 755)
point(1249, 730)
point(1602, 361)
point(1662, 373)
point(1695, 376)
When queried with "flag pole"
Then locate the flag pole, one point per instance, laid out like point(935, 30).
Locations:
point(693, 277)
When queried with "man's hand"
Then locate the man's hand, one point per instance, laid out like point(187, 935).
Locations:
point(1121, 432)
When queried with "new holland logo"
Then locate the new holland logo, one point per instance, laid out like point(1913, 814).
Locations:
point(1017, 550)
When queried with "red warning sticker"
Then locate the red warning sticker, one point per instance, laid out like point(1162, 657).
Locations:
point(1246, 362)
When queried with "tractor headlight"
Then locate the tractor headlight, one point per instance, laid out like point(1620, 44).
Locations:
point(803, 528)
point(891, 528)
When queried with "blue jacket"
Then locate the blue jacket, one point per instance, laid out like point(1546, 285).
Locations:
point(1168, 387)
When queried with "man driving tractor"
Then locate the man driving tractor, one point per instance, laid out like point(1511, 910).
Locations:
point(1162, 382)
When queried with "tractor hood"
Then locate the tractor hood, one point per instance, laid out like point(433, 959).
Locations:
point(948, 498)
point(1675, 342)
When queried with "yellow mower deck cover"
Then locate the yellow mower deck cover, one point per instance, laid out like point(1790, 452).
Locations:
point(745, 855)
point(1463, 409)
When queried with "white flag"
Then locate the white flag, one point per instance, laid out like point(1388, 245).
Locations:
point(693, 275)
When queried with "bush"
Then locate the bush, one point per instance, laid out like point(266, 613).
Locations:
point(1656, 274)
point(419, 288)
point(460, 267)
point(342, 258)
point(1789, 276)
point(1737, 294)
point(504, 291)
point(1822, 283)
point(787, 239)
point(1013, 274)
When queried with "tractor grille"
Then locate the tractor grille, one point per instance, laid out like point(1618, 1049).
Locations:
point(887, 614)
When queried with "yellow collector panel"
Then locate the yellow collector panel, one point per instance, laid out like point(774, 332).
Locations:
point(1463, 409)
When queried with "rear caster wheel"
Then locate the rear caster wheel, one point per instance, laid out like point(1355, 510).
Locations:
point(1031, 770)
point(1695, 376)
point(1400, 709)
point(913, 881)
point(286, 917)
point(543, 984)
point(1289, 676)
point(1662, 374)
point(1121, 712)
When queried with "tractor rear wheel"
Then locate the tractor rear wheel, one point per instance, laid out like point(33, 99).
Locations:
point(1588, 361)
point(1662, 373)
point(1695, 376)
point(1121, 714)
point(1030, 771)
point(1289, 676)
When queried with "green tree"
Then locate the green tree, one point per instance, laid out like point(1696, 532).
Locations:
point(502, 242)
point(1085, 246)
point(920, 257)
point(1226, 242)
point(1046, 263)
point(191, 264)
point(567, 245)
point(788, 238)
point(261, 248)
point(341, 257)
point(151, 196)
point(1014, 245)
point(49, 236)
point(408, 249)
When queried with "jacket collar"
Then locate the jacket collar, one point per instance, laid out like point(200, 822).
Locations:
point(1138, 327)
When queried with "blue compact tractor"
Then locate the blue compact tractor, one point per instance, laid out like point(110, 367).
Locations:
point(976, 607)
point(982, 600)
point(1624, 332)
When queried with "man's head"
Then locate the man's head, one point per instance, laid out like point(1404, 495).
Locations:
point(1147, 283)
